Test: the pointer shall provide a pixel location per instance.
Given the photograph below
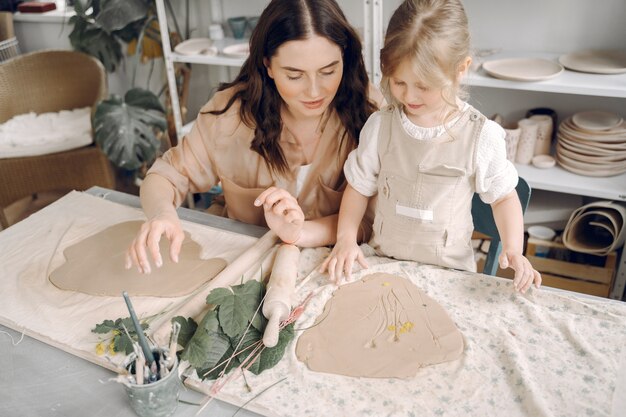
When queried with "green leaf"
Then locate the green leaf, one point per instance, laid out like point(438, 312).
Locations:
point(271, 356)
point(251, 337)
point(207, 345)
point(187, 329)
point(126, 131)
point(117, 14)
point(259, 322)
point(237, 310)
point(131, 31)
point(91, 39)
point(233, 363)
point(104, 327)
point(123, 344)
point(219, 296)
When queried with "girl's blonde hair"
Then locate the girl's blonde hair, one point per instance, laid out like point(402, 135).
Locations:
point(434, 35)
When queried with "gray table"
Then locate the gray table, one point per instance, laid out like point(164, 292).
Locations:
point(37, 379)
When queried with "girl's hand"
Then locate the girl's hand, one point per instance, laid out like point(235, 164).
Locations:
point(525, 274)
point(149, 236)
point(341, 260)
point(282, 213)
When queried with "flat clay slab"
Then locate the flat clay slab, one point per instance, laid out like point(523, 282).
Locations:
point(95, 266)
point(382, 326)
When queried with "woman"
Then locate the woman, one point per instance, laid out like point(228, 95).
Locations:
point(276, 137)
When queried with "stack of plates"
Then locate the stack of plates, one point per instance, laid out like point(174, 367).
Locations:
point(592, 144)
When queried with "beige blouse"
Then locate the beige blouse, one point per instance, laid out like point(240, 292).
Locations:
point(218, 150)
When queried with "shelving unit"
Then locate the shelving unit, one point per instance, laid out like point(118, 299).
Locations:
point(560, 180)
point(219, 59)
point(568, 82)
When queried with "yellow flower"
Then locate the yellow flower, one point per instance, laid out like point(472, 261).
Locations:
point(100, 349)
point(112, 348)
point(391, 328)
point(386, 284)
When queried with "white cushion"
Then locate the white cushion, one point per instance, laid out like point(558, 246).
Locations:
point(33, 134)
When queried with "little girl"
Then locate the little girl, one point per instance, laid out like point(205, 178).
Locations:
point(426, 154)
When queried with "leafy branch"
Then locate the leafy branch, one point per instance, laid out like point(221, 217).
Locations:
point(119, 341)
point(230, 335)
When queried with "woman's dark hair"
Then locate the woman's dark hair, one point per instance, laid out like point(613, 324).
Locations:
point(283, 21)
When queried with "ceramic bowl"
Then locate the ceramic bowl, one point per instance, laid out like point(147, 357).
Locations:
point(543, 161)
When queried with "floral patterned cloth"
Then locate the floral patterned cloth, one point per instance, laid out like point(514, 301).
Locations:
point(545, 353)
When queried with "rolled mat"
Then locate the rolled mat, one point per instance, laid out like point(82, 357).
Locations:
point(598, 228)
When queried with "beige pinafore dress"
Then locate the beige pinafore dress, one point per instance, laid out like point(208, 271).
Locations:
point(425, 190)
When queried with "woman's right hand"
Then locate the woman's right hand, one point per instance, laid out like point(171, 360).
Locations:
point(341, 260)
point(148, 238)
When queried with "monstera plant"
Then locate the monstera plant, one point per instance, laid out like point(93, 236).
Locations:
point(126, 128)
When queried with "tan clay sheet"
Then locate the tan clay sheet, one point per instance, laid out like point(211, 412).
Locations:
point(96, 266)
point(32, 248)
point(545, 353)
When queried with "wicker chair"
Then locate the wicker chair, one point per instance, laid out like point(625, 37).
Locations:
point(50, 81)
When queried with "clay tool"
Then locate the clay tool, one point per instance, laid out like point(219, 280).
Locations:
point(140, 363)
point(162, 368)
point(173, 343)
point(143, 342)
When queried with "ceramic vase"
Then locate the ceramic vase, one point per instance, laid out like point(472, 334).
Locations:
point(527, 139)
point(512, 135)
point(544, 134)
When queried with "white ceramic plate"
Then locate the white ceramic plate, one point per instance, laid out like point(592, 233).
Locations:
point(617, 158)
point(591, 173)
point(238, 50)
point(615, 136)
point(523, 69)
point(588, 148)
point(589, 166)
point(196, 46)
point(596, 120)
point(595, 61)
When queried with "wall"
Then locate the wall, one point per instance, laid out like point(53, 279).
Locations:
point(556, 26)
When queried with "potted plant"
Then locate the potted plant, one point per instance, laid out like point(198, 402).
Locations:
point(128, 128)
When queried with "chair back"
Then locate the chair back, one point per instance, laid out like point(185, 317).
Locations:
point(50, 81)
point(485, 224)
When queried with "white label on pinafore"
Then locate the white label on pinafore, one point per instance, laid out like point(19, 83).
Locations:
point(414, 213)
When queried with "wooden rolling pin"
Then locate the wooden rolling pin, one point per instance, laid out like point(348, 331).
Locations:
point(280, 289)
point(230, 275)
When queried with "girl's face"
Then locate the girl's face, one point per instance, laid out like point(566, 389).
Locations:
point(307, 74)
point(422, 104)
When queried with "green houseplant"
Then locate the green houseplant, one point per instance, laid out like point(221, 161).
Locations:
point(126, 128)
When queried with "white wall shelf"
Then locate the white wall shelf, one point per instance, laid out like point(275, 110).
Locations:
point(219, 59)
point(568, 82)
point(560, 180)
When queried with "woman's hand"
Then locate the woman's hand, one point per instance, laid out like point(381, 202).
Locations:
point(282, 213)
point(341, 260)
point(149, 236)
point(525, 274)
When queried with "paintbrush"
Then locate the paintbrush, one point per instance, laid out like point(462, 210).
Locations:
point(143, 342)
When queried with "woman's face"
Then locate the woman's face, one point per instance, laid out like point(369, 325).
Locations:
point(307, 74)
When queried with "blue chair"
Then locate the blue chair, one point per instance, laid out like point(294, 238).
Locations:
point(485, 224)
